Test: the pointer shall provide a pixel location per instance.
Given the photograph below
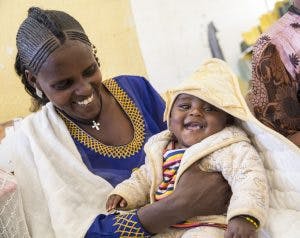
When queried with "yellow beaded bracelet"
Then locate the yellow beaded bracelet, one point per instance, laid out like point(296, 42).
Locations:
point(251, 220)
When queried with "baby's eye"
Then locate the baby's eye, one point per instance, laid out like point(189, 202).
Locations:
point(184, 106)
point(208, 109)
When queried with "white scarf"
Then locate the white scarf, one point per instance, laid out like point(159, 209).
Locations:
point(59, 195)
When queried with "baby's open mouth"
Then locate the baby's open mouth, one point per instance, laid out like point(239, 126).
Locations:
point(194, 126)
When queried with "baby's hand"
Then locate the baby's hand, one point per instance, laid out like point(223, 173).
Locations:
point(240, 227)
point(115, 201)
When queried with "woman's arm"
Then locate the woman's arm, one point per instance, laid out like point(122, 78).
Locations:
point(197, 193)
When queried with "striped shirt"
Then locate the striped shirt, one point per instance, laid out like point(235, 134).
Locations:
point(171, 163)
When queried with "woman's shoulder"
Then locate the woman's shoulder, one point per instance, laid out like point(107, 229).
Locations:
point(132, 82)
point(276, 34)
point(130, 79)
point(135, 86)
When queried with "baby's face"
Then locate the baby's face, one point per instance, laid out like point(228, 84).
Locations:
point(192, 120)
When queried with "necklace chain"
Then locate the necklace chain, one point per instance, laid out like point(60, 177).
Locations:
point(93, 123)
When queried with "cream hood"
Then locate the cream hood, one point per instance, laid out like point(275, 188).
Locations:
point(215, 83)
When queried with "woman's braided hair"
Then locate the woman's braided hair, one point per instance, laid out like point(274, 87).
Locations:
point(41, 33)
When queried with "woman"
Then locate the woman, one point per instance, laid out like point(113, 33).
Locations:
point(275, 89)
point(68, 156)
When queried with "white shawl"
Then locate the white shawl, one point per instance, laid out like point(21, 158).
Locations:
point(59, 195)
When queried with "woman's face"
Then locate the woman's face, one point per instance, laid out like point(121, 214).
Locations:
point(192, 120)
point(71, 80)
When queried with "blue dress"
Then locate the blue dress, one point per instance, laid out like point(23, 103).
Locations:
point(144, 107)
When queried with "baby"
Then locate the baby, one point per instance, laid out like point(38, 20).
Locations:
point(199, 132)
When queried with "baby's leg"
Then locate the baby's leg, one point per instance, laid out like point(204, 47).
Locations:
point(204, 232)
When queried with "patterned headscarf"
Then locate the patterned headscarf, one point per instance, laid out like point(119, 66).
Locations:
point(274, 94)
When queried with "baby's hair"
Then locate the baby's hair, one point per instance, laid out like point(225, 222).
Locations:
point(230, 120)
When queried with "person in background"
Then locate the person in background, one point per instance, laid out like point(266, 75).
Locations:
point(274, 95)
point(202, 133)
point(87, 137)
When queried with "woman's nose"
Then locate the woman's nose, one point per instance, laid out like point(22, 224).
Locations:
point(83, 87)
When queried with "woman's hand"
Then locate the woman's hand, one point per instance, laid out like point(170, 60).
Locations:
point(197, 193)
point(202, 193)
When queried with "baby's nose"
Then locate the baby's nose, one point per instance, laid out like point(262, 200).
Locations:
point(196, 112)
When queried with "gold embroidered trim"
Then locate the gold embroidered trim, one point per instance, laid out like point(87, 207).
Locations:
point(122, 151)
point(127, 226)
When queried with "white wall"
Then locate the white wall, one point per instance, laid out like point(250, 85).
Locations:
point(173, 33)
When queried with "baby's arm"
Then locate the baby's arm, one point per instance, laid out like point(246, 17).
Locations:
point(115, 201)
point(244, 171)
point(240, 227)
point(135, 190)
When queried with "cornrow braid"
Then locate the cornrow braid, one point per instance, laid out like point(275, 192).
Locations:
point(49, 21)
point(75, 35)
point(40, 34)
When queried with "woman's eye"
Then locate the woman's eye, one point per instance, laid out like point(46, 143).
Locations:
point(90, 71)
point(62, 84)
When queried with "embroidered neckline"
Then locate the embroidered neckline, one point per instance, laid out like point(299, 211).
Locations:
point(120, 151)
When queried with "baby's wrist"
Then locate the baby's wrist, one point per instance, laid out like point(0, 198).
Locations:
point(250, 219)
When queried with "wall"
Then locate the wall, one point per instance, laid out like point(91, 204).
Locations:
point(173, 33)
point(166, 37)
point(109, 24)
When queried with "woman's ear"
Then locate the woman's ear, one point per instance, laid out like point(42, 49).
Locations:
point(30, 78)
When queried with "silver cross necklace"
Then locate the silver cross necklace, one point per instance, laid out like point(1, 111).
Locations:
point(94, 123)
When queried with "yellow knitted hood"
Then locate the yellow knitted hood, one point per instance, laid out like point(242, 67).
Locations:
point(215, 83)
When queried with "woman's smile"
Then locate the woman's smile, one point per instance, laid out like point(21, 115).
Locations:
point(86, 101)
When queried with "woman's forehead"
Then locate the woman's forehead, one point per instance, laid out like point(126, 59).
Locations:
point(70, 54)
point(70, 46)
